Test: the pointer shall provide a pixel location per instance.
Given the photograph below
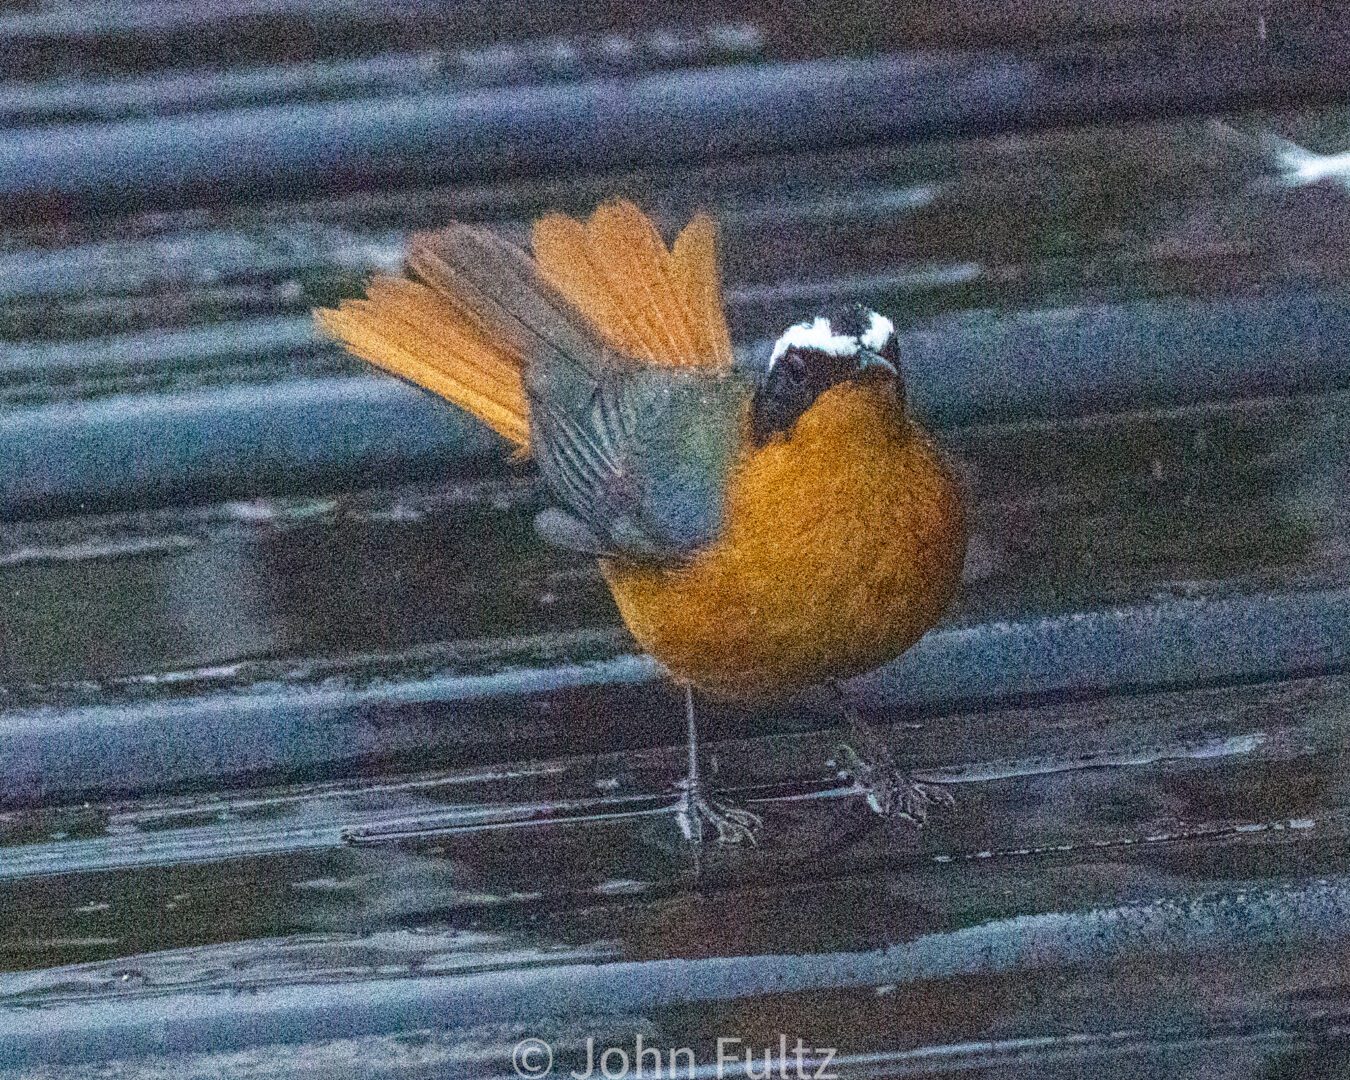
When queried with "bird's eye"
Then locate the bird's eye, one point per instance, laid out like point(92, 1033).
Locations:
point(794, 367)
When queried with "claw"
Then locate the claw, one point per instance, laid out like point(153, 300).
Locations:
point(695, 811)
point(890, 791)
point(909, 799)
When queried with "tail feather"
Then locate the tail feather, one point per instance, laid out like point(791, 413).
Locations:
point(489, 328)
point(662, 307)
point(501, 288)
point(637, 268)
point(415, 332)
point(695, 262)
point(562, 246)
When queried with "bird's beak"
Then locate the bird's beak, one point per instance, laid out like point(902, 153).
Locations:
point(871, 361)
point(875, 367)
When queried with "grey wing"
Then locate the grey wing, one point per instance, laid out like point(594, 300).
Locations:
point(634, 456)
point(641, 471)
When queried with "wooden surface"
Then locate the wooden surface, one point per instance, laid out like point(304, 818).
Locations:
point(315, 763)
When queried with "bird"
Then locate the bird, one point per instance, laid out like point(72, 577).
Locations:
point(764, 525)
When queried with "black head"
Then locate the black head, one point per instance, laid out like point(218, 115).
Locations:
point(812, 356)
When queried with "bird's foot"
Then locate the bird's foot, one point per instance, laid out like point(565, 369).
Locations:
point(696, 812)
point(890, 791)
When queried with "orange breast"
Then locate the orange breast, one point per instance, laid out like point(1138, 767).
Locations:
point(840, 548)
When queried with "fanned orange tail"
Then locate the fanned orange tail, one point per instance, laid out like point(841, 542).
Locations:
point(658, 305)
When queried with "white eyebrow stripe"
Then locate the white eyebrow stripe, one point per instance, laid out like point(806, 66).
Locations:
point(878, 332)
point(817, 334)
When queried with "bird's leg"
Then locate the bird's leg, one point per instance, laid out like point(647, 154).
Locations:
point(869, 762)
point(696, 809)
